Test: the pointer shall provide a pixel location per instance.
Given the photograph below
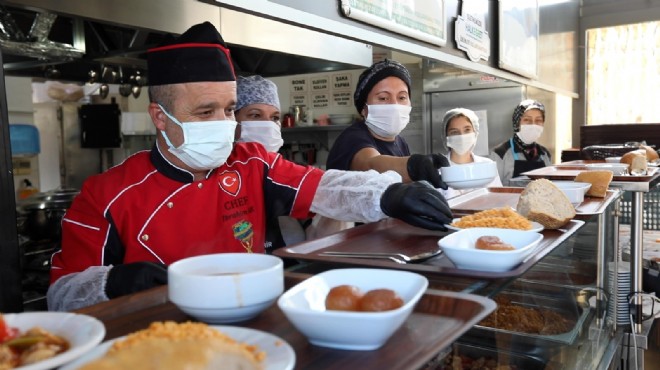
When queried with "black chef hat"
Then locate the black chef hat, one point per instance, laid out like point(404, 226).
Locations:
point(376, 73)
point(198, 55)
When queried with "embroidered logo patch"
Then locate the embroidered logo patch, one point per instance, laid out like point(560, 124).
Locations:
point(230, 182)
point(243, 233)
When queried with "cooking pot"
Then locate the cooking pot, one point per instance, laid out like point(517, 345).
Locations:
point(41, 214)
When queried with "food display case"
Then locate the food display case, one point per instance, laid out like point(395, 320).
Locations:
point(553, 308)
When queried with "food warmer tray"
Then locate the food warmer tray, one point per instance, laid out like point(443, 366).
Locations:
point(504, 359)
point(537, 345)
point(391, 235)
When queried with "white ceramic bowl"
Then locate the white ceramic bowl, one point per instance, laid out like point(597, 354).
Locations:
point(341, 119)
point(304, 306)
point(575, 191)
point(460, 248)
point(617, 168)
point(613, 160)
point(469, 175)
point(225, 287)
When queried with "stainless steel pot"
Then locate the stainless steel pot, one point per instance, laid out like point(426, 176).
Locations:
point(42, 213)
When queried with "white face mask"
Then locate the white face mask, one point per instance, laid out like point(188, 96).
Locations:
point(206, 144)
point(529, 133)
point(267, 133)
point(462, 144)
point(387, 120)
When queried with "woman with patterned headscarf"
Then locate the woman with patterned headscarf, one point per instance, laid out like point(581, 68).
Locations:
point(521, 153)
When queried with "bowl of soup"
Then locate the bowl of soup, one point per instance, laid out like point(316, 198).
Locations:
point(226, 287)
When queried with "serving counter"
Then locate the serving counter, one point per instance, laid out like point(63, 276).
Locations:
point(558, 287)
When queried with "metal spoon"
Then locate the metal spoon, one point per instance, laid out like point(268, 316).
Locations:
point(399, 256)
point(369, 256)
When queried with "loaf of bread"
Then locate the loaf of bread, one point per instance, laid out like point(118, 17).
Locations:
point(599, 180)
point(543, 202)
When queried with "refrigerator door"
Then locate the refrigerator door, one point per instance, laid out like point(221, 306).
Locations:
point(493, 106)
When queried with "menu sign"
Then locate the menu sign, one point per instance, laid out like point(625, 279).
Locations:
point(299, 99)
point(299, 84)
point(320, 83)
point(320, 100)
point(420, 19)
point(342, 99)
point(519, 34)
point(471, 35)
point(342, 81)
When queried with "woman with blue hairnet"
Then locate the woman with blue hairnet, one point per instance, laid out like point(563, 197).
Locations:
point(258, 116)
point(521, 153)
point(460, 128)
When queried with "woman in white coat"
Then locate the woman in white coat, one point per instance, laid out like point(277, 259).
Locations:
point(460, 128)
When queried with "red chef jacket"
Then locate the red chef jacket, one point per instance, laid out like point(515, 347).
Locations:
point(147, 209)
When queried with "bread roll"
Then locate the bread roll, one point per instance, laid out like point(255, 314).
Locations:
point(651, 154)
point(599, 180)
point(636, 161)
point(628, 157)
point(543, 202)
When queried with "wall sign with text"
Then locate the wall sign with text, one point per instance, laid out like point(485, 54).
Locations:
point(420, 19)
point(519, 35)
point(320, 101)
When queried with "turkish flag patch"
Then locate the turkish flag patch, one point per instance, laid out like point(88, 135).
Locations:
point(230, 182)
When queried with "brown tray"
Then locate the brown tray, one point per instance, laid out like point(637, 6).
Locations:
point(489, 198)
point(392, 235)
point(439, 318)
point(569, 171)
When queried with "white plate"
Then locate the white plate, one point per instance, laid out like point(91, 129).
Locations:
point(536, 227)
point(279, 354)
point(83, 333)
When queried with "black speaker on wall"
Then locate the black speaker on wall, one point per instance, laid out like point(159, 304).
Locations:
point(100, 125)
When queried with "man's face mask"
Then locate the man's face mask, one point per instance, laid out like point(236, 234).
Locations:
point(206, 144)
point(462, 144)
point(387, 120)
point(530, 133)
point(267, 133)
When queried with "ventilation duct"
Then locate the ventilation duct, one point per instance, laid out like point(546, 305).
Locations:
point(35, 44)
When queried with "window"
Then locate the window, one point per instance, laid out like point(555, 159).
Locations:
point(623, 74)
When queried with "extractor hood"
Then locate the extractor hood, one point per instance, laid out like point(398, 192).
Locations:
point(61, 42)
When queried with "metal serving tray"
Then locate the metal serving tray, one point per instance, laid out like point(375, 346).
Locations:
point(489, 198)
point(568, 172)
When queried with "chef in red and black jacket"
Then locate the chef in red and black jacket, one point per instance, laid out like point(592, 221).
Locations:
point(197, 192)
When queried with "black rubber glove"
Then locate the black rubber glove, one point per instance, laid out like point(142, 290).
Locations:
point(417, 204)
point(425, 167)
point(134, 277)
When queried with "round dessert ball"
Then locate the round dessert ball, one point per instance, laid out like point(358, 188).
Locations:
point(343, 298)
point(380, 300)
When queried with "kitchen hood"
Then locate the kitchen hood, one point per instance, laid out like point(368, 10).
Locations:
point(69, 42)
